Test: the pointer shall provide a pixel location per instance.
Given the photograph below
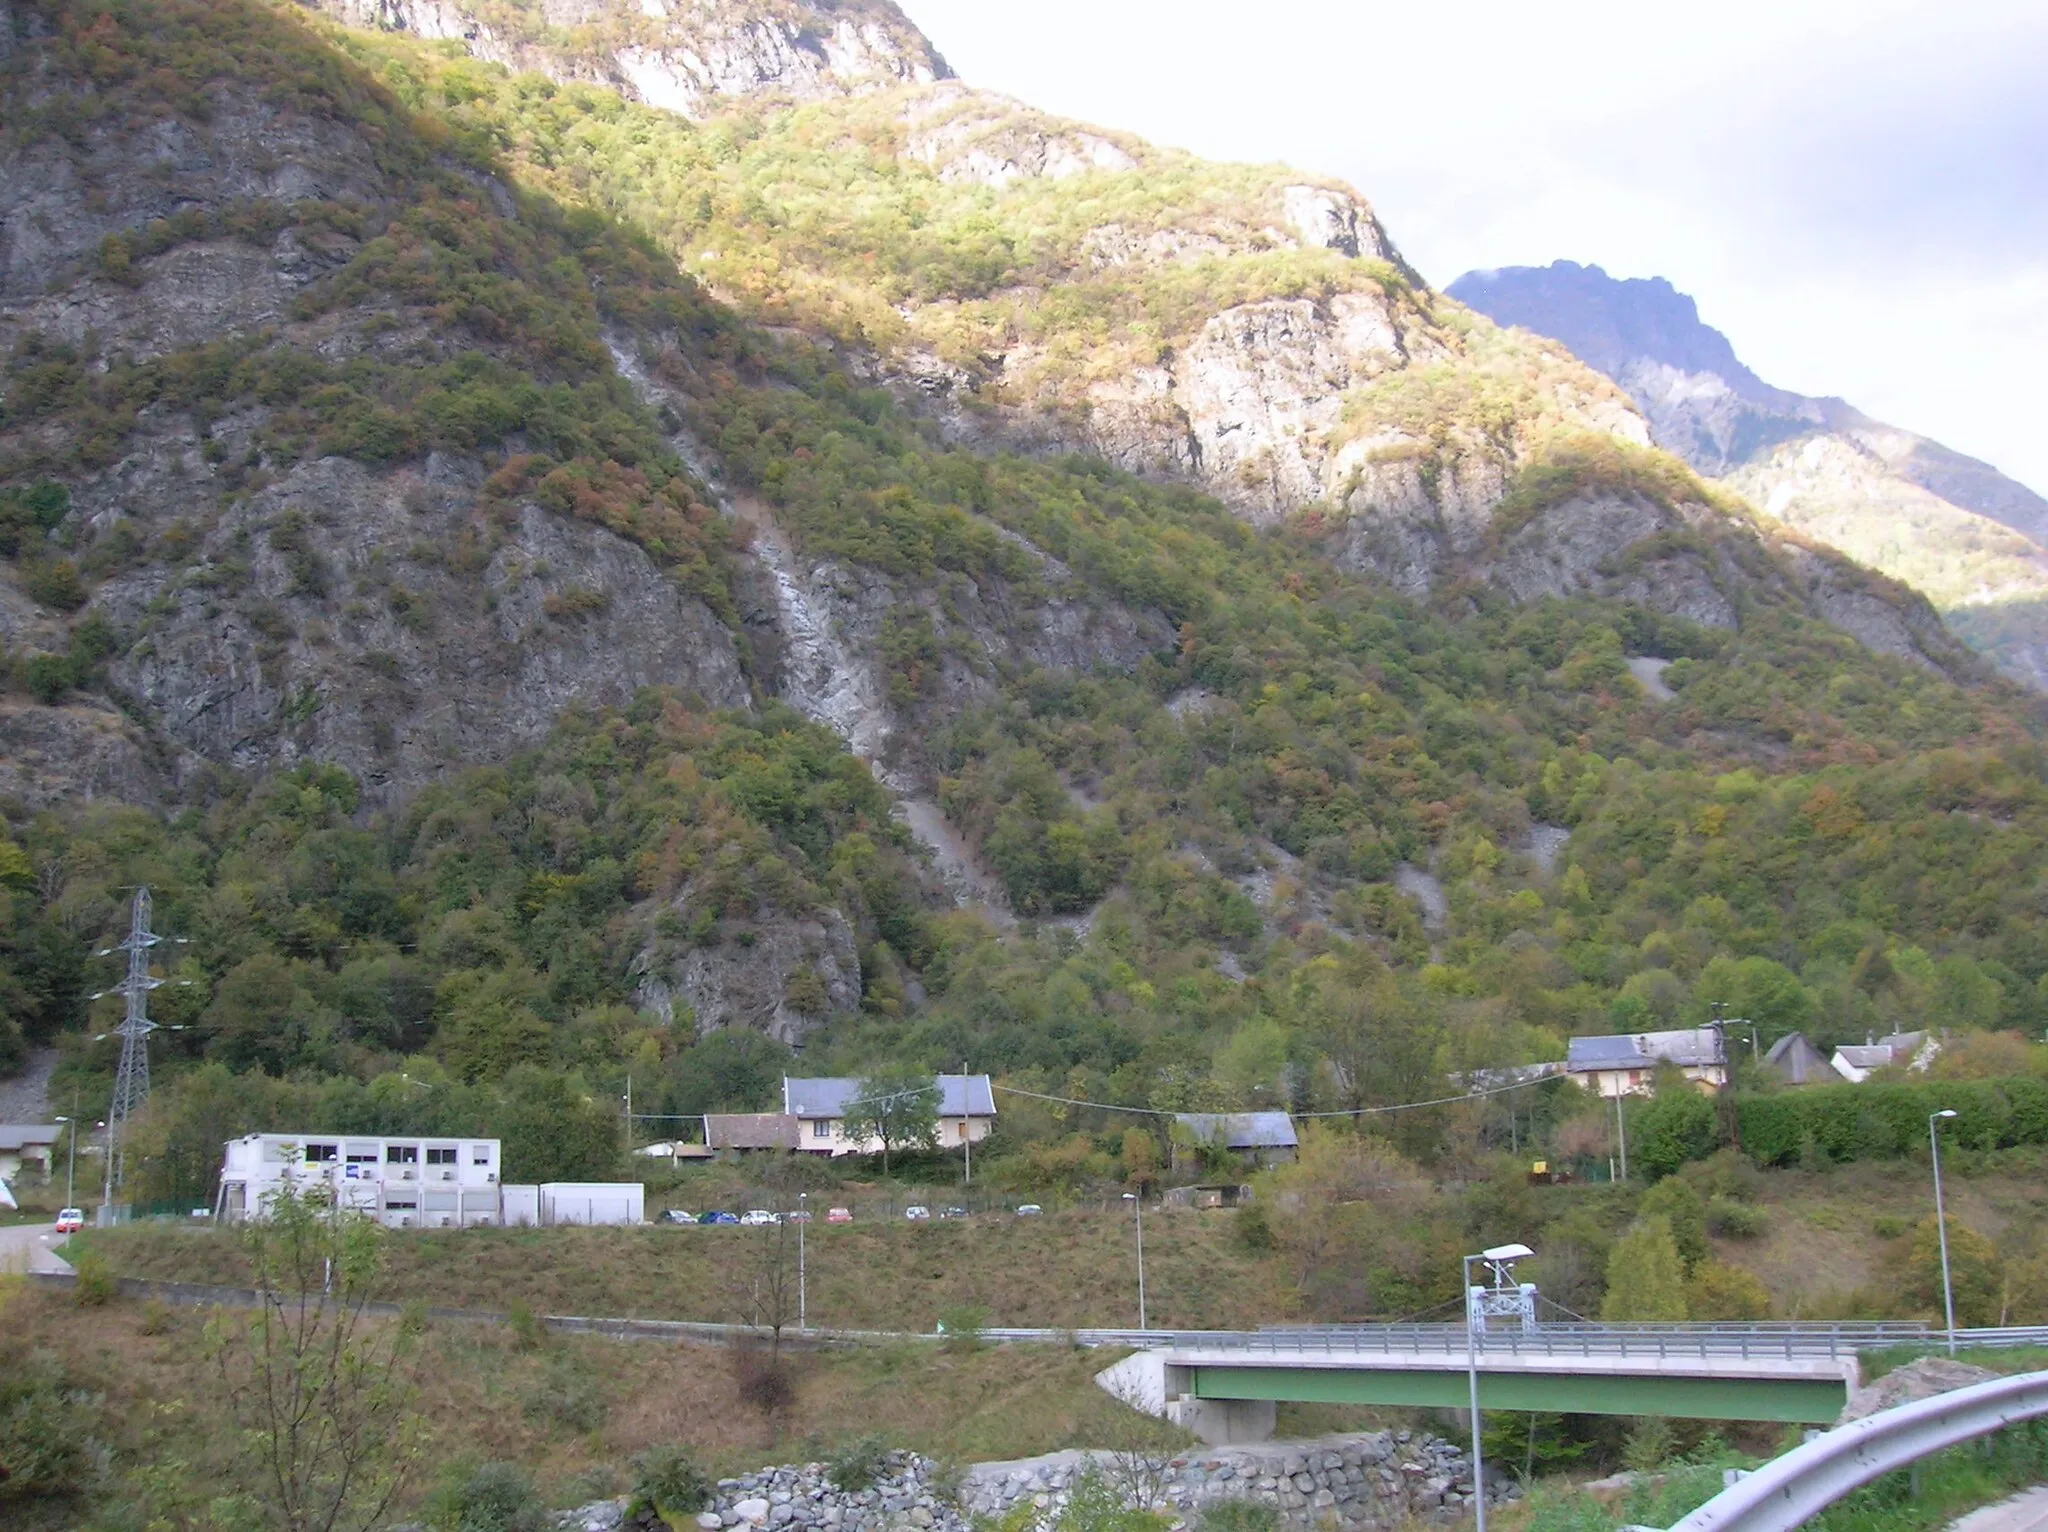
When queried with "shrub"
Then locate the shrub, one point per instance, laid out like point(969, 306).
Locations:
point(565, 1398)
point(46, 1421)
point(963, 1324)
point(857, 1465)
point(1729, 1219)
point(528, 1333)
point(55, 583)
point(496, 1497)
point(668, 1482)
point(47, 677)
point(157, 1318)
point(95, 1284)
point(1236, 1515)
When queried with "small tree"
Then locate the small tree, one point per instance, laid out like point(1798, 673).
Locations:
point(1975, 1273)
point(1645, 1279)
point(900, 1107)
point(324, 1396)
point(1677, 1201)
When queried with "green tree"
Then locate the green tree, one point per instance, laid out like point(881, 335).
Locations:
point(1679, 1204)
point(323, 1392)
point(1645, 1278)
point(900, 1107)
point(555, 1129)
point(1975, 1273)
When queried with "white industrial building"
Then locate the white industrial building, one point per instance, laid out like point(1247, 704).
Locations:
point(410, 1182)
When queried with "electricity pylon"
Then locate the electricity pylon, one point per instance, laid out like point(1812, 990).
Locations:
point(131, 1081)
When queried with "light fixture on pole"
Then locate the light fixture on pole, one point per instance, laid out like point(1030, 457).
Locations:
point(1138, 1208)
point(803, 1310)
point(1501, 1258)
point(1948, 1292)
point(71, 1171)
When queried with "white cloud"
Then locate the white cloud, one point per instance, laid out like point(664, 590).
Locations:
point(1857, 193)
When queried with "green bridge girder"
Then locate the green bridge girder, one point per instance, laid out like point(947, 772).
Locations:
point(1800, 1401)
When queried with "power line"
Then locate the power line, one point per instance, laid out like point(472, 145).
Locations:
point(1363, 1111)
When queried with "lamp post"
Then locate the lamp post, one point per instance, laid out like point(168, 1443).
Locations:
point(1499, 1257)
point(1138, 1209)
point(1948, 1292)
point(803, 1310)
point(71, 1170)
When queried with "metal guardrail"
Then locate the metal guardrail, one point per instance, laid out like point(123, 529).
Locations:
point(1788, 1340)
point(1787, 1492)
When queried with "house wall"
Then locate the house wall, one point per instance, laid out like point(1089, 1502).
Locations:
point(1706, 1078)
point(953, 1132)
point(408, 1182)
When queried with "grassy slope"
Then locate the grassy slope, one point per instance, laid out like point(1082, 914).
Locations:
point(1066, 1269)
point(160, 1402)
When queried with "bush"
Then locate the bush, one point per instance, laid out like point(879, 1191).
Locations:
point(1236, 1515)
point(496, 1497)
point(46, 1442)
point(157, 1318)
point(762, 1379)
point(95, 1284)
point(668, 1482)
point(528, 1333)
point(962, 1325)
point(55, 583)
point(567, 1398)
point(859, 1464)
point(1729, 1219)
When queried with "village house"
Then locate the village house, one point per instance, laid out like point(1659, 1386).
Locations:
point(1626, 1064)
point(1256, 1138)
point(966, 1103)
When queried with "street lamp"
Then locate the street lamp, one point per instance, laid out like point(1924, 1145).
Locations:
point(1948, 1292)
point(1498, 1257)
point(1138, 1209)
point(71, 1170)
point(803, 1311)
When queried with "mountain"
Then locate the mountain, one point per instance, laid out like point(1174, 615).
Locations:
point(535, 580)
point(1973, 540)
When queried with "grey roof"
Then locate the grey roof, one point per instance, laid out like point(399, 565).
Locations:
point(830, 1095)
point(1793, 1057)
point(16, 1136)
point(1866, 1055)
point(1241, 1130)
point(750, 1130)
point(1694, 1046)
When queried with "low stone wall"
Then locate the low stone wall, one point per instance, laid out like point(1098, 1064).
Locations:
point(1380, 1479)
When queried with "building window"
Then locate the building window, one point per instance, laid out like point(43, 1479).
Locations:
point(322, 1154)
point(395, 1207)
point(440, 1156)
point(821, 1127)
point(402, 1154)
point(362, 1157)
point(480, 1154)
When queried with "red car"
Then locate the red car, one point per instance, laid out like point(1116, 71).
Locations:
point(839, 1215)
point(70, 1221)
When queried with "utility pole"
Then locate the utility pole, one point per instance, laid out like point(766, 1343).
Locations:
point(131, 1081)
point(1621, 1130)
point(629, 1112)
point(967, 1118)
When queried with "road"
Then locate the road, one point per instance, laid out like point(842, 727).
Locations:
point(27, 1247)
point(2025, 1512)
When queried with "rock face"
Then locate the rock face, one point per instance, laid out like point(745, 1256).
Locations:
point(687, 56)
point(1921, 1378)
point(1973, 541)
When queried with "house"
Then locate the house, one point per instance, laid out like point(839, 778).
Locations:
point(1915, 1050)
point(1264, 1138)
point(27, 1146)
point(966, 1103)
point(1797, 1062)
point(1626, 1063)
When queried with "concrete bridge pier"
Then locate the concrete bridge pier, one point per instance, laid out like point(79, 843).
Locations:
point(1147, 1381)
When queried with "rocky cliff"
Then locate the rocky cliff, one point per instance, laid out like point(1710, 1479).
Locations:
point(1956, 529)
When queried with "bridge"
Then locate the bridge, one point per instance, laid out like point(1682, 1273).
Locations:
point(1224, 1386)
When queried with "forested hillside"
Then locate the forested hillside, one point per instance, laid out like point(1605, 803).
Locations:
point(481, 551)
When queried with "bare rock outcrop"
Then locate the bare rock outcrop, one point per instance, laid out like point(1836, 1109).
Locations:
point(1921, 1378)
point(777, 972)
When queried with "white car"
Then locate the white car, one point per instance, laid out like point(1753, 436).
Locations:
point(1029, 1210)
point(756, 1217)
point(917, 1212)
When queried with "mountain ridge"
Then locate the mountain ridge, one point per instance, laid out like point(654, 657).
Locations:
point(1888, 497)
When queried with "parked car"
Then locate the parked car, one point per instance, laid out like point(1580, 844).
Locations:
point(755, 1218)
point(801, 1215)
point(718, 1218)
point(952, 1212)
point(917, 1213)
point(679, 1215)
point(1029, 1210)
point(70, 1220)
point(839, 1215)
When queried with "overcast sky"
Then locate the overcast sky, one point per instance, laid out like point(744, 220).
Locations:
point(1856, 193)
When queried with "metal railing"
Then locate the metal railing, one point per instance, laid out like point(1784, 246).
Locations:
point(1763, 1340)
